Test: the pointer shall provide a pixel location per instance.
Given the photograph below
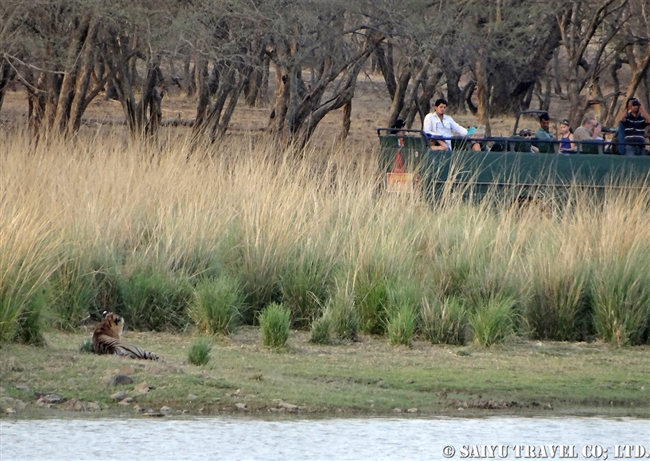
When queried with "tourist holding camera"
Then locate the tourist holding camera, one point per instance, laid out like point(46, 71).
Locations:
point(634, 121)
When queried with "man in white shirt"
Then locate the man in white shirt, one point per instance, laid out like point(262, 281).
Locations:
point(439, 123)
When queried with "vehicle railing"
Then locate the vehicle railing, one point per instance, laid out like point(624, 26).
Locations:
point(504, 143)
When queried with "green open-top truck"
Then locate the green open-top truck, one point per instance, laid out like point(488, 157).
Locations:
point(408, 163)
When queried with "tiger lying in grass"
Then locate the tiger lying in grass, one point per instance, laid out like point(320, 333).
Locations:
point(106, 339)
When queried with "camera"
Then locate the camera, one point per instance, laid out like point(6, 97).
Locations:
point(635, 102)
point(608, 129)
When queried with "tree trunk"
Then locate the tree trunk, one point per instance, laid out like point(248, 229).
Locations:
point(482, 94)
point(7, 74)
point(454, 93)
point(347, 114)
point(385, 63)
point(398, 99)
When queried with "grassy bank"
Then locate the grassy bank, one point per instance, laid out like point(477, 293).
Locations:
point(174, 237)
point(368, 377)
point(186, 241)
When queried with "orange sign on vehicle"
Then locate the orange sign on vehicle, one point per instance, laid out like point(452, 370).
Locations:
point(399, 182)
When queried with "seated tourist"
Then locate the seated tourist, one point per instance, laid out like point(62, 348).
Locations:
point(436, 142)
point(476, 136)
point(586, 130)
point(439, 122)
point(528, 135)
point(567, 146)
point(543, 134)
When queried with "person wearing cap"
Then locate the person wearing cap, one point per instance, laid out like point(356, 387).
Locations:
point(566, 138)
point(528, 134)
point(439, 123)
point(634, 121)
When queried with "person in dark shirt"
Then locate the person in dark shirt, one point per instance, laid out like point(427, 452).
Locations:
point(634, 121)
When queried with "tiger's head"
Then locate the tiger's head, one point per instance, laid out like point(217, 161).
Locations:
point(112, 325)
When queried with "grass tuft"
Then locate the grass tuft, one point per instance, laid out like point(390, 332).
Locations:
point(217, 306)
point(344, 318)
point(493, 321)
point(401, 324)
point(275, 322)
point(444, 321)
point(321, 330)
point(199, 353)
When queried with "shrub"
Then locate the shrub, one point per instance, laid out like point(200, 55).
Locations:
point(371, 296)
point(305, 288)
point(556, 309)
point(401, 325)
point(493, 321)
point(199, 353)
point(217, 306)
point(344, 319)
point(86, 347)
point(621, 302)
point(275, 322)
point(72, 291)
point(29, 328)
point(444, 322)
point(156, 301)
point(320, 329)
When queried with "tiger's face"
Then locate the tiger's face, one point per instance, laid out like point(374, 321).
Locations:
point(114, 323)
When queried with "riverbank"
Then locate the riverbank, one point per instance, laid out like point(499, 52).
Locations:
point(369, 377)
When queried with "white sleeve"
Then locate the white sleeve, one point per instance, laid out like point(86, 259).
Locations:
point(456, 128)
point(427, 125)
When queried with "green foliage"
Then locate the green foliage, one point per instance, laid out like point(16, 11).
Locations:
point(72, 292)
point(621, 300)
point(157, 301)
point(401, 325)
point(341, 311)
point(493, 321)
point(371, 296)
point(31, 321)
point(444, 321)
point(275, 322)
point(216, 308)
point(321, 330)
point(199, 353)
point(110, 296)
point(557, 308)
point(305, 288)
point(86, 347)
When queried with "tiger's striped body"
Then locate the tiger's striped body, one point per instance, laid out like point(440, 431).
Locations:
point(106, 340)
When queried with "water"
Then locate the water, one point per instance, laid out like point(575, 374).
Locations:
point(231, 438)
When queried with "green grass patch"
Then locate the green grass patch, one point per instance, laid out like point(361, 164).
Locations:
point(199, 353)
point(493, 321)
point(444, 321)
point(275, 322)
point(217, 305)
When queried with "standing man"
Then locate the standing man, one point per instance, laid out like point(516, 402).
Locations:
point(439, 123)
point(633, 121)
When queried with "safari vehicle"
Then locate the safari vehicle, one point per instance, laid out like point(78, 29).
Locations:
point(504, 163)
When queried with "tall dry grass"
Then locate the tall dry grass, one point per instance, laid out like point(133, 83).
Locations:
point(104, 223)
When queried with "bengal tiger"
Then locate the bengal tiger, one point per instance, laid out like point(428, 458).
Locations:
point(106, 339)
